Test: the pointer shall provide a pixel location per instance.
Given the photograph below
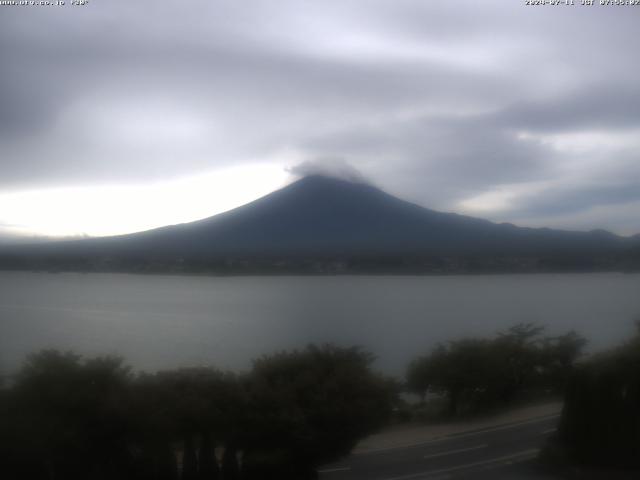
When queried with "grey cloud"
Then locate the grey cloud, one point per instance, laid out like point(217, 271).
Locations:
point(335, 167)
point(426, 98)
point(617, 182)
point(261, 96)
point(576, 199)
point(603, 106)
point(439, 160)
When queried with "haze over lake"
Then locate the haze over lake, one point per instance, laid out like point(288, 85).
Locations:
point(167, 321)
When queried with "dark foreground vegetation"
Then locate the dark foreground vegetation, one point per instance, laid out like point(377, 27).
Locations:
point(598, 434)
point(475, 375)
point(600, 424)
point(66, 418)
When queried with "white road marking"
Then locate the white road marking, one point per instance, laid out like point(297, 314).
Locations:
point(502, 427)
point(455, 436)
point(516, 457)
point(459, 450)
point(337, 469)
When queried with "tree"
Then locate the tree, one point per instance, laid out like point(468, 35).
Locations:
point(310, 407)
point(69, 417)
point(73, 418)
point(189, 406)
point(600, 423)
point(559, 357)
point(519, 357)
point(208, 464)
point(420, 377)
point(477, 373)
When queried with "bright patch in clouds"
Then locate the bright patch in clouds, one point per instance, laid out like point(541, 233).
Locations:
point(501, 111)
point(112, 210)
point(495, 200)
point(591, 141)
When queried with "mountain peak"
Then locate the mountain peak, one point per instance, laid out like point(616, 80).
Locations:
point(330, 180)
point(335, 168)
point(324, 217)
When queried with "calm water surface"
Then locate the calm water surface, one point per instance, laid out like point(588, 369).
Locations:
point(169, 321)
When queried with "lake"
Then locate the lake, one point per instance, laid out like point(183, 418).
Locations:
point(169, 321)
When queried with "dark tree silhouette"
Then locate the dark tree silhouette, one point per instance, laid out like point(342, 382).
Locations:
point(477, 373)
point(600, 423)
point(230, 468)
point(189, 460)
point(311, 406)
point(207, 462)
point(68, 418)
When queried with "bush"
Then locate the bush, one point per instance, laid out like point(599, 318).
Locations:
point(478, 374)
point(600, 423)
point(316, 403)
point(65, 417)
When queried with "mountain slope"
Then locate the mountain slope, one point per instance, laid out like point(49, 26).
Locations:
point(319, 215)
point(323, 217)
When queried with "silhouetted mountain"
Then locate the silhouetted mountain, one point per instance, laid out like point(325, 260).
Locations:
point(319, 217)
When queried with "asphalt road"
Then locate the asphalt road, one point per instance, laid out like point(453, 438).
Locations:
point(501, 452)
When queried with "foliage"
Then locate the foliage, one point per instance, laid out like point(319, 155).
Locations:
point(476, 373)
point(316, 403)
point(67, 417)
point(600, 422)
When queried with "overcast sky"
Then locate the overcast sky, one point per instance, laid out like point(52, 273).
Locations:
point(123, 115)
